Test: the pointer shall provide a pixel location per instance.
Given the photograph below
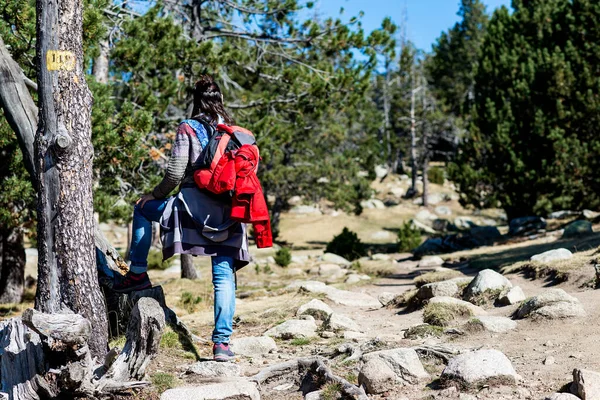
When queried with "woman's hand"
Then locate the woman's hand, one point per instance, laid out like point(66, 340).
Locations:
point(142, 200)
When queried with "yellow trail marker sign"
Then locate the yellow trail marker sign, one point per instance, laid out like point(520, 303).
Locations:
point(60, 60)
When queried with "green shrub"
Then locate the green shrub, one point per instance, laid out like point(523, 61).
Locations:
point(155, 260)
point(408, 237)
point(283, 257)
point(163, 381)
point(189, 301)
point(436, 175)
point(347, 245)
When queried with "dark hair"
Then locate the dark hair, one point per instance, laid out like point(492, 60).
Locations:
point(208, 101)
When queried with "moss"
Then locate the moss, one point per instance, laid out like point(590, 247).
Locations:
point(331, 391)
point(170, 340)
point(440, 314)
point(423, 331)
point(189, 301)
point(485, 298)
point(474, 325)
point(118, 341)
point(163, 381)
point(300, 341)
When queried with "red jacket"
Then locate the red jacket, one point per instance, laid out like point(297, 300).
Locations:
point(238, 170)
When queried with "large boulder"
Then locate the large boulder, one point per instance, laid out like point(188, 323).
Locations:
point(481, 367)
point(444, 288)
point(551, 304)
point(338, 322)
point(577, 228)
point(253, 346)
point(373, 204)
point(526, 226)
point(334, 259)
point(552, 255)
point(487, 281)
point(383, 370)
point(213, 369)
point(586, 384)
point(430, 262)
point(331, 270)
point(238, 389)
point(513, 296)
point(294, 328)
point(496, 324)
point(475, 310)
point(316, 308)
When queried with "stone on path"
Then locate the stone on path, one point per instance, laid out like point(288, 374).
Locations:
point(214, 369)
point(496, 324)
point(334, 259)
point(316, 308)
point(430, 262)
point(386, 297)
point(330, 269)
point(372, 204)
point(293, 328)
point(577, 228)
point(485, 281)
point(253, 346)
point(562, 396)
point(589, 214)
point(478, 368)
point(383, 370)
point(513, 296)
point(435, 289)
point(475, 310)
point(551, 304)
point(380, 256)
point(586, 384)
point(552, 255)
point(238, 389)
point(314, 395)
point(352, 279)
point(526, 225)
point(342, 297)
point(338, 322)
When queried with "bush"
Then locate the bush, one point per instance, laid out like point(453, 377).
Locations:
point(283, 257)
point(408, 237)
point(436, 175)
point(155, 260)
point(347, 245)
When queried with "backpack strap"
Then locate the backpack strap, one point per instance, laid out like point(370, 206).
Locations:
point(220, 150)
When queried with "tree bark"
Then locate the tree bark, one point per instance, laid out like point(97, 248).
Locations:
point(12, 274)
point(67, 277)
point(188, 271)
point(425, 182)
point(413, 144)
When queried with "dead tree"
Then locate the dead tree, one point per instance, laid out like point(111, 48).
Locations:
point(188, 271)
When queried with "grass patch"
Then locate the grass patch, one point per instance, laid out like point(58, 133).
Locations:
point(163, 381)
point(170, 340)
point(352, 378)
point(436, 276)
point(485, 298)
point(331, 391)
point(155, 260)
point(300, 341)
point(380, 268)
point(190, 302)
point(423, 331)
point(440, 314)
point(474, 325)
point(407, 299)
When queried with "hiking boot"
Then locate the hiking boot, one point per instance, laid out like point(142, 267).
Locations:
point(131, 282)
point(222, 352)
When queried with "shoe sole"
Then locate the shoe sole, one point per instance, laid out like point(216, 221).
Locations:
point(223, 358)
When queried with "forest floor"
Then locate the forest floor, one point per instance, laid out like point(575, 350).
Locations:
point(264, 301)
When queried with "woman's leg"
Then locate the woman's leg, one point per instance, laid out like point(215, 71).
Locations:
point(141, 237)
point(224, 306)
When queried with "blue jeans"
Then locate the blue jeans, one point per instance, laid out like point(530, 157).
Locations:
point(223, 272)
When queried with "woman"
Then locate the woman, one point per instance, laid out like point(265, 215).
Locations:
point(193, 221)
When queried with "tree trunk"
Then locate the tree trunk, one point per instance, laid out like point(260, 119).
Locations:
point(67, 277)
point(187, 267)
point(100, 66)
point(413, 145)
point(425, 182)
point(12, 256)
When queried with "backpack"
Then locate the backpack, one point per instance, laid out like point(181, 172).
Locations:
point(215, 171)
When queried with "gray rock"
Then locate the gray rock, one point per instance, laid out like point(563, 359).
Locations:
point(526, 225)
point(294, 272)
point(314, 395)
point(213, 369)
point(487, 280)
point(381, 171)
point(443, 210)
point(353, 299)
point(478, 368)
point(435, 289)
point(238, 389)
point(397, 191)
point(390, 367)
point(563, 214)
point(316, 308)
point(497, 324)
point(418, 225)
point(309, 286)
point(463, 222)
point(300, 260)
point(552, 255)
point(436, 198)
point(381, 257)
point(586, 384)
point(426, 216)
point(577, 228)
point(513, 296)
point(431, 261)
point(382, 235)
point(485, 234)
point(475, 310)
point(386, 297)
point(562, 396)
point(334, 259)
point(329, 269)
point(352, 335)
point(589, 214)
point(373, 204)
point(293, 329)
point(305, 209)
point(352, 279)
point(253, 346)
point(552, 304)
point(338, 322)
point(327, 334)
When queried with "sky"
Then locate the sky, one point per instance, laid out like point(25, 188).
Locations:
point(426, 18)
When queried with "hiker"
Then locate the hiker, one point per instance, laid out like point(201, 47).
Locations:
point(193, 221)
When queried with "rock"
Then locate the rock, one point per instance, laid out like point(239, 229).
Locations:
point(352, 335)
point(327, 334)
point(382, 370)
point(497, 324)
point(305, 209)
point(577, 228)
point(563, 214)
point(526, 225)
point(316, 308)
point(430, 262)
point(295, 200)
point(381, 257)
point(418, 225)
point(329, 269)
point(373, 204)
point(386, 297)
point(397, 191)
point(426, 216)
point(352, 279)
point(586, 384)
point(552, 255)
point(214, 369)
point(338, 322)
point(334, 259)
point(381, 171)
point(463, 222)
point(443, 210)
point(589, 214)
point(513, 296)
point(562, 396)
point(479, 368)
point(444, 288)
point(253, 346)
point(353, 299)
point(475, 310)
point(293, 329)
point(308, 286)
point(294, 272)
point(551, 304)
point(485, 234)
point(239, 389)
point(485, 281)
point(549, 360)
point(314, 395)
point(383, 235)
point(300, 260)
point(364, 277)
point(436, 198)
point(440, 225)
